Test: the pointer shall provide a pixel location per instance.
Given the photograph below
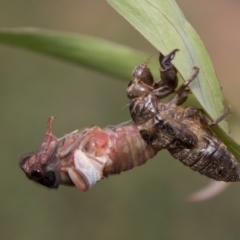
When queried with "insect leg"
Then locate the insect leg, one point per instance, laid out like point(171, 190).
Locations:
point(162, 91)
point(165, 62)
point(70, 142)
point(210, 123)
point(169, 81)
point(183, 97)
point(181, 93)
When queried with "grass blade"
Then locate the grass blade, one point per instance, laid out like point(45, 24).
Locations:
point(94, 53)
point(163, 24)
point(165, 27)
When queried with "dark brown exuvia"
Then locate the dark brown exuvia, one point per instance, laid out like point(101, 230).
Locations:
point(185, 132)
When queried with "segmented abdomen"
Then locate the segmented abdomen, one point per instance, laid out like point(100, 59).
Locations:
point(209, 157)
point(128, 149)
point(119, 149)
point(107, 151)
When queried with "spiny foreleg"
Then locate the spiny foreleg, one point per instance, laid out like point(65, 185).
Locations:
point(169, 81)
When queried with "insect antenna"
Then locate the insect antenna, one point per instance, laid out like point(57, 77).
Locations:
point(146, 62)
point(127, 105)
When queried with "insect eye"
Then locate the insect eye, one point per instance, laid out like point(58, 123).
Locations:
point(147, 77)
point(36, 174)
point(143, 73)
point(49, 179)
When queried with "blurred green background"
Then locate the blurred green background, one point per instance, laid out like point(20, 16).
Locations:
point(148, 202)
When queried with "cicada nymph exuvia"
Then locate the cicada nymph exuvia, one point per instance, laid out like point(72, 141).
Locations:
point(185, 132)
point(82, 158)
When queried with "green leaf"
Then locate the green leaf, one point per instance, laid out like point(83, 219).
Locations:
point(105, 56)
point(163, 24)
